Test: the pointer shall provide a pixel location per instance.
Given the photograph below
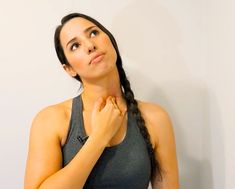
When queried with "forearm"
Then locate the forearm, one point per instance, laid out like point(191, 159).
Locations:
point(75, 174)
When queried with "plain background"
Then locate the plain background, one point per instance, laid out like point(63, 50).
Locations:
point(179, 54)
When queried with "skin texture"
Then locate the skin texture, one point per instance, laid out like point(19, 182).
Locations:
point(104, 116)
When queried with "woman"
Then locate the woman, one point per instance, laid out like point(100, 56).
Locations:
point(104, 137)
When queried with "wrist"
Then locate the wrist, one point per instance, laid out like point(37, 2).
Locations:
point(99, 139)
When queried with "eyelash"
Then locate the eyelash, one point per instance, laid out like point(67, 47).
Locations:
point(96, 32)
point(71, 48)
point(93, 31)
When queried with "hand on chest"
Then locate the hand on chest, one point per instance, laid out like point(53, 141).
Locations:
point(117, 138)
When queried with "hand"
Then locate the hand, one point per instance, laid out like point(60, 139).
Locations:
point(107, 119)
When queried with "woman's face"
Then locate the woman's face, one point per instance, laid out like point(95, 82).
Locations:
point(87, 48)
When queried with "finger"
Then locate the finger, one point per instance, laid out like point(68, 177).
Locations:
point(97, 104)
point(123, 113)
point(121, 104)
point(117, 108)
point(114, 103)
point(109, 101)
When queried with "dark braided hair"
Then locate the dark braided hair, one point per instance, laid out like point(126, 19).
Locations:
point(127, 92)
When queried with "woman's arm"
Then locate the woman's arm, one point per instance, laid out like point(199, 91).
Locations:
point(162, 137)
point(165, 150)
point(44, 164)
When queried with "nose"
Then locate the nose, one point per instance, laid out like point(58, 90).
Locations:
point(90, 46)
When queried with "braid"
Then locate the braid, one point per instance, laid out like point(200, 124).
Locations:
point(133, 107)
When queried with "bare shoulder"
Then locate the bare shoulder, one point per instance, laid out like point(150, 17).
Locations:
point(157, 119)
point(53, 113)
point(154, 111)
point(53, 118)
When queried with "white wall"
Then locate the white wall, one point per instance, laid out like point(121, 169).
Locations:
point(219, 57)
point(176, 53)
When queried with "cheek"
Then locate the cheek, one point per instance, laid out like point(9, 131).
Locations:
point(77, 60)
point(107, 42)
point(110, 48)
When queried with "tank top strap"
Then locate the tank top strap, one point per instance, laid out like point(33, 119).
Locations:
point(76, 121)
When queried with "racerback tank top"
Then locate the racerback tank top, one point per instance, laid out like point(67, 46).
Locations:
point(122, 166)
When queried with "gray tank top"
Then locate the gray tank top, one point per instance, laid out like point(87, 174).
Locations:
point(122, 166)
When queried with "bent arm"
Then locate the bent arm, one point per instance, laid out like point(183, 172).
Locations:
point(75, 174)
point(44, 163)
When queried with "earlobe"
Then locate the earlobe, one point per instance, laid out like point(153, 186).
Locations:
point(69, 70)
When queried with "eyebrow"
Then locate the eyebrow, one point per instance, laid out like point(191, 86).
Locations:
point(85, 31)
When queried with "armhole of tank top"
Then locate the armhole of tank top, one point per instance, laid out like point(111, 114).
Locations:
point(69, 131)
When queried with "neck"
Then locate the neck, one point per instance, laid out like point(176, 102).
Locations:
point(104, 87)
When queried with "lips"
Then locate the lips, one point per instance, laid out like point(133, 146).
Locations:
point(97, 58)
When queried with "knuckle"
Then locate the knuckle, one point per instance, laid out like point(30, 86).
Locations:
point(117, 111)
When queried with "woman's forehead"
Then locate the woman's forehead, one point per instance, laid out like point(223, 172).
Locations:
point(74, 27)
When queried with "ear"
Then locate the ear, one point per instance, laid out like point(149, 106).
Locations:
point(69, 70)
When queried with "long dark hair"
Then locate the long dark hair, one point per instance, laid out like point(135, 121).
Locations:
point(128, 94)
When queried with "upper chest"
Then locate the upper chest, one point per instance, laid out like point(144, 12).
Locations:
point(119, 136)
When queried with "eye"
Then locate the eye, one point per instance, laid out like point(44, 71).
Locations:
point(74, 46)
point(94, 33)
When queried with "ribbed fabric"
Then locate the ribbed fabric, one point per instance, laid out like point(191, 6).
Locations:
point(123, 166)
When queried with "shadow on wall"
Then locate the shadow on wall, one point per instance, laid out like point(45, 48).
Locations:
point(154, 39)
point(213, 144)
